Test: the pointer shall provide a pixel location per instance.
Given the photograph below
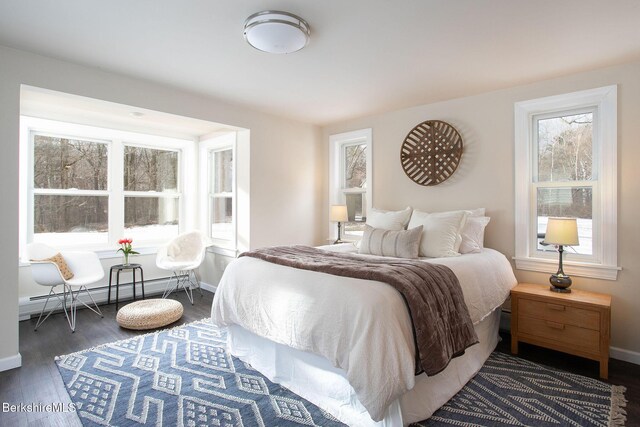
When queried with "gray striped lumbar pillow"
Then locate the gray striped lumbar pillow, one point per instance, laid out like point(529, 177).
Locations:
point(398, 244)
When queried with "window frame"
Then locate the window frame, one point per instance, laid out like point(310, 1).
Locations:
point(116, 141)
point(219, 143)
point(152, 193)
point(602, 264)
point(536, 184)
point(32, 191)
point(337, 179)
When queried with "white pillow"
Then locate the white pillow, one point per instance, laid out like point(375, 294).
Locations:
point(473, 234)
point(389, 220)
point(441, 232)
point(476, 212)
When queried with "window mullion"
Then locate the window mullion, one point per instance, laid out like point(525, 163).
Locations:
point(69, 192)
point(154, 194)
point(116, 191)
point(563, 184)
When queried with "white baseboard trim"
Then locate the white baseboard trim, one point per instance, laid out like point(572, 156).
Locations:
point(29, 306)
point(208, 287)
point(10, 362)
point(625, 355)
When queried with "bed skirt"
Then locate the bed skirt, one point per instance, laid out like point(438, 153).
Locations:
point(315, 379)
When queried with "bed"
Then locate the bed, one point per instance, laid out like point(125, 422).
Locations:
point(346, 344)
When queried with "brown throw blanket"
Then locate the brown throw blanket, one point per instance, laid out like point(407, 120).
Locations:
point(442, 327)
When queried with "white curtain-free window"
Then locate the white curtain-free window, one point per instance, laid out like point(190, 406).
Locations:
point(218, 171)
point(350, 179)
point(87, 187)
point(566, 166)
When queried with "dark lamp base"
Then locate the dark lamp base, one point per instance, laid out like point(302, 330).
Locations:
point(560, 283)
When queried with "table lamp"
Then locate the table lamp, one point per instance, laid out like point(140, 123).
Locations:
point(561, 232)
point(339, 214)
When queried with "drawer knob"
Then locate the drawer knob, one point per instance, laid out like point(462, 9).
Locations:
point(556, 307)
point(555, 325)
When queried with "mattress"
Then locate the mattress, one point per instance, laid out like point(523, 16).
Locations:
point(359, 326)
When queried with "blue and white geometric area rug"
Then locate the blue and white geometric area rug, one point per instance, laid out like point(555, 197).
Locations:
point(509, 391)
point(185, 377)
point(178, 377)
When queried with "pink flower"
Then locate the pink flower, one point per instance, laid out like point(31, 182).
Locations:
point(125, 246)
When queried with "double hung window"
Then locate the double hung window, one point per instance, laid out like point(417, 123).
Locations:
point(88, 187)
point(218, 193)
point(566, 166)
point(221, 196)
point(351, 178)
point(70, 195)
point(151, 196)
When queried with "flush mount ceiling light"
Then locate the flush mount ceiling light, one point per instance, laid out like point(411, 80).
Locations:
point(276, 32)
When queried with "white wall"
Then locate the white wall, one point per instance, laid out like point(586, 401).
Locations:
point(286, 182)
point(485, 177)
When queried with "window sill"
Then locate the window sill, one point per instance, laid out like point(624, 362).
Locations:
point(219, 250)
point(572, 268)
point(106, 253)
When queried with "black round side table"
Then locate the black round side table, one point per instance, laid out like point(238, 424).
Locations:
point(119, 268)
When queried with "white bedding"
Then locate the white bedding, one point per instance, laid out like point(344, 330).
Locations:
point(360, 326)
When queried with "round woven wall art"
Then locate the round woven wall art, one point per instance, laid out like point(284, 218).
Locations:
point(431, 152)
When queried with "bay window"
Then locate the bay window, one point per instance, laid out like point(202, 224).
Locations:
point(84, 186)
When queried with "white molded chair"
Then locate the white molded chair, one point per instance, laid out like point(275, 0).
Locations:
point(182, 256)
point(86, 269)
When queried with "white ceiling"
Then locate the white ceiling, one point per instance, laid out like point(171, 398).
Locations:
point(365, 56)
point(48, 104)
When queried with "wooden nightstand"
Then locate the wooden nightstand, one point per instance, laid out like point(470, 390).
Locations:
point(577, 323)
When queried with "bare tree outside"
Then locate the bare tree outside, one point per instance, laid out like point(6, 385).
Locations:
point(64, 164)
point(221, 196)
point(565, 154)
point(355, 166)
point(355, 184)
point(149, 169)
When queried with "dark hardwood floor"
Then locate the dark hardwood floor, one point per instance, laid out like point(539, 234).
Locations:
point(38, 380)
point(620, 373)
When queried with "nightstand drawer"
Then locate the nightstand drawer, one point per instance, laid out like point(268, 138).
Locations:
point(560, 313)
point(586, 339)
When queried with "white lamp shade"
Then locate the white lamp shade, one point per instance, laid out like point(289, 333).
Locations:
point(562, 231)
point(276, 32)
point(339, 213)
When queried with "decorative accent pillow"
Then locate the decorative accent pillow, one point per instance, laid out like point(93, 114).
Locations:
point(441, 232)
point(391, 243)
point(389, 220)
point(58, 260)
point(473, 234)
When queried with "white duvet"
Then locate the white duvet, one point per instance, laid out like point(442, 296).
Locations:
point(359, 325)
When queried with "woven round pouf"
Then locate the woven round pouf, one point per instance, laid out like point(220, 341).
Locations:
point(149, 314)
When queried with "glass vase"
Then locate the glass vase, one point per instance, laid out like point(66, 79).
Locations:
point(125, 259)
